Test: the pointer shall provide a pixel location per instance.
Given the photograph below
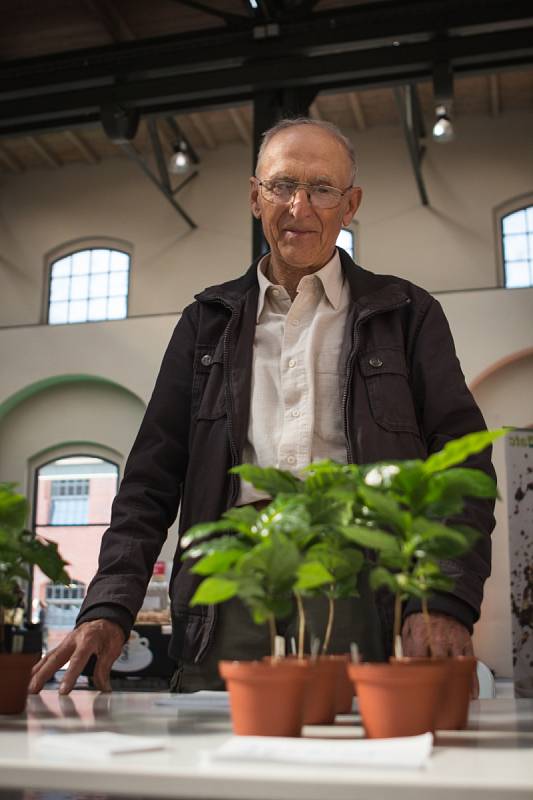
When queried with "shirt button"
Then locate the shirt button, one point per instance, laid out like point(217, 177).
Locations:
point(206, 360)
point(275, 292)
point(295, 412)
point(292, 362)
point(295, 322)
point(291, 460)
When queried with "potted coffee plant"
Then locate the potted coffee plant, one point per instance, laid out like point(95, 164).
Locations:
point(256, 560)
point(399, 512)
point(19, 550)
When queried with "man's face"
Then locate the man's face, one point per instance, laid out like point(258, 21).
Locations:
point(300, 235)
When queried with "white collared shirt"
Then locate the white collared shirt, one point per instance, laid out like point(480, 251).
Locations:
point(295, 414)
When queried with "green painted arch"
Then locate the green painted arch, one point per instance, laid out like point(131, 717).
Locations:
point(32, 389)
point(80, 444)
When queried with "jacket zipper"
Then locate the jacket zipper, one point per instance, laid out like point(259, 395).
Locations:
point(229, 400)
point(349, 372)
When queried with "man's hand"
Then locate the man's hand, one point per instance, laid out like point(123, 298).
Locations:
point(448, 638)
point(100, 637)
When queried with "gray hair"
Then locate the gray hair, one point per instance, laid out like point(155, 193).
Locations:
point(293, 122)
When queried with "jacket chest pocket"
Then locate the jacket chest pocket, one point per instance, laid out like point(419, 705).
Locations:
point(389, 392)
point(208, 398)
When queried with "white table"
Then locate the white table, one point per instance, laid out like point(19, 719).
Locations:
point(492, 759)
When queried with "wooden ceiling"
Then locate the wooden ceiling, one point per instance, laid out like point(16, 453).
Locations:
point(34, 29)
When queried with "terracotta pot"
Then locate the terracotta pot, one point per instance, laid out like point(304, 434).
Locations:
point(453, 710)
point(400, 698)
point(15, 672)
point(321, 702)
point(266, 697)
point(344, 685)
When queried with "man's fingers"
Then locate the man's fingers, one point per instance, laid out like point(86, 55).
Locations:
point(48, 666)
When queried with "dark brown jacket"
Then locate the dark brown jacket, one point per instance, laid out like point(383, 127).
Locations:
point(403, 396)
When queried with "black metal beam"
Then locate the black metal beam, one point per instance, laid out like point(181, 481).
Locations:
point(166, 92)
point(410, 116)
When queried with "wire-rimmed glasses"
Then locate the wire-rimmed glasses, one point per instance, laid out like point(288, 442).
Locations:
point(320, 195)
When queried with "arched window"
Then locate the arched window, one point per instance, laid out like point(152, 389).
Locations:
point(88, 285)
point(346, 240)
point(73, 497)
point(516, 245)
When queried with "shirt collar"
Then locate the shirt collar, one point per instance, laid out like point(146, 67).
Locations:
point(330, 275)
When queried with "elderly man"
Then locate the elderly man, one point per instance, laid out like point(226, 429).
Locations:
point(306, 356)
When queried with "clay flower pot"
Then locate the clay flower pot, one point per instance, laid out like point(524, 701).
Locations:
point(321, 702)
point(266, 697)
point(401, 698)
point(344, 685)
point(452, 714)
point(15, 669)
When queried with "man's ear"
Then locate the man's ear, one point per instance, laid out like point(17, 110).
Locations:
point(355, 197)
point(254, 198)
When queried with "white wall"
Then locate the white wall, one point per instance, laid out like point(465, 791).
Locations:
point(447, 247)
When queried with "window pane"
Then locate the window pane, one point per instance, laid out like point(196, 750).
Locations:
point(97, 309)
point(58, 313)
point(61, 268)
point(119, 261)
point(99, 260)
point(59, 289)
point(79, 287)
point(118, 283)
point(98, 286)
point(515, 222)
point(116, 308)
point(77, 311)
point(345, 240)
point(80, 262)
point(517, 274)
point(515, 247)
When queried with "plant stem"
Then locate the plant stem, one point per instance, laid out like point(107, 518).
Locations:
point(272, 629)
point(301, 624)
point(427, 620)
point(397, 618)
point(329, 627)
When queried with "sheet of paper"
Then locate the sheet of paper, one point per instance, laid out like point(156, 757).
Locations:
point(409, 752)
point(94, 745)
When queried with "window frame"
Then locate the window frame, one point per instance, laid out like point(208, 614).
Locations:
point(503, 210)
point(77, 246)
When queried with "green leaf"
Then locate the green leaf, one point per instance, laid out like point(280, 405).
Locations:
point(268, 479)
point(201, 531)
point(384, 507)
point(379, 576)
point(214, 590)
point(374, 538)
point(217, 562)
point(13, 508)
point(440, 540)
point(312, 574)
point(457, 450)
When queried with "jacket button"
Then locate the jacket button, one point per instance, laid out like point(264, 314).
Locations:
point(206, 360)
point(375, 362)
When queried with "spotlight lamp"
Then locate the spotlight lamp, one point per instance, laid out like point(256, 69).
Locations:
point(180, 160)
point(443, 128)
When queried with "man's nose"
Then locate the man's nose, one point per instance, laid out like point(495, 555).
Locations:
point(300, 199)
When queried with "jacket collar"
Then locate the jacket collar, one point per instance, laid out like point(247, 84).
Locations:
point(370, 292)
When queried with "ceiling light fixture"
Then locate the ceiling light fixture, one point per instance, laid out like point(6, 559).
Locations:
point(443, 129)
point(180, 160)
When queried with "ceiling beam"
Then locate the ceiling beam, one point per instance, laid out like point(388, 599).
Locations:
point(44, 152)
point(412, 124)
point(10, 160)
point(494, 95)
point(357, 110)
point(203, 130)
point(82, 147)
point(240, 125)
point(111, 20)
point(179, 87)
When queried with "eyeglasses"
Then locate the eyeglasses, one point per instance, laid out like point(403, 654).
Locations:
point(318, 194)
